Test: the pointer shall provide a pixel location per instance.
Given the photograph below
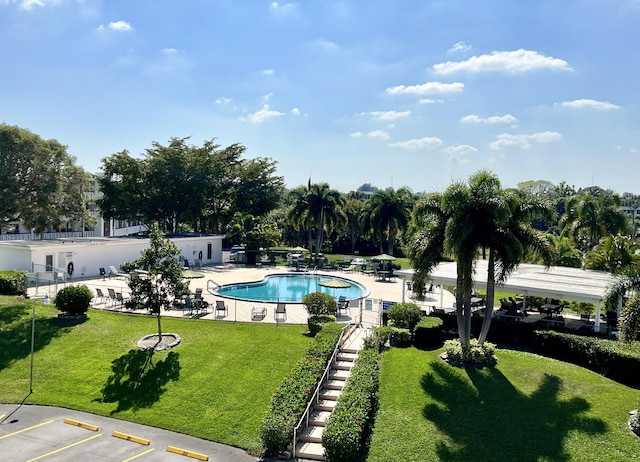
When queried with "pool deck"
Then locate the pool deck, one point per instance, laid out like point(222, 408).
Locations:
point(389, 290)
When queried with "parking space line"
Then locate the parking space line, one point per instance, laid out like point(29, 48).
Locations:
point(139, 455)
point(26, 429)
point(66, 447)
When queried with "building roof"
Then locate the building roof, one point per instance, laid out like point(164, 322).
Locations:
point(557, 282)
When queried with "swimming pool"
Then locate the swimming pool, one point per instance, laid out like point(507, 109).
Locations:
point(289, 288)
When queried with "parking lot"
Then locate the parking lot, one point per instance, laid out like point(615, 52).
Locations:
point(29, 433)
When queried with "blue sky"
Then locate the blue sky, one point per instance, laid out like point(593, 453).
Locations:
point(393, 93)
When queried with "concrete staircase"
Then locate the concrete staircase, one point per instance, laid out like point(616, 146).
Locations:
point(309, 444)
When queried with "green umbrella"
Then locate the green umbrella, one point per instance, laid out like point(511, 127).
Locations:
point(335, 283)
point(188, 274)
point(298, 250)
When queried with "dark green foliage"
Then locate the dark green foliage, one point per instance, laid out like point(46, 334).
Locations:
point(404, 315)
point(346, 433)
point(315, 322)
point(317, 303)
point(11, 282)
point(428, 332)
point(289, 401)
point(73, 300)
point(617, 360)
point(630, 321)
point(388, 335)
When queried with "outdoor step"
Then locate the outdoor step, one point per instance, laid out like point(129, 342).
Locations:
point(318, 418)
point(327, 393)
point(350, 357)
point(325, 405)
point(352, 351)
point(307, 450)
point(338, 374)
point(312, 433)
point(342, 365)
point(334, 384)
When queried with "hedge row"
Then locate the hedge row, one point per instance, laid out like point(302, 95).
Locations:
point(11, 282)
point(349, 426)
point(611, 358)
point(290, 400)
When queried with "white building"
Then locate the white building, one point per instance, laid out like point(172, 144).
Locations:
point(69, 258)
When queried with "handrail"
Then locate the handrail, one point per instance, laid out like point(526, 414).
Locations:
point(214, 283)
point(316, 393)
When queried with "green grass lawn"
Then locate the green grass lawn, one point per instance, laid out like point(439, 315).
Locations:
point(528, 408)
point(216, 384)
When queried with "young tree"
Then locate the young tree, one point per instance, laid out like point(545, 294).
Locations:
point(156, 277)
point(387, 214)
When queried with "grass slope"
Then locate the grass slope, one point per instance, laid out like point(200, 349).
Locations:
point(216, 384)
point(528, 408)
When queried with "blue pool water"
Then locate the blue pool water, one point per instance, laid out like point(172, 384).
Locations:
point(289, 288)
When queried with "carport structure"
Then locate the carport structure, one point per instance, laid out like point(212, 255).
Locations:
point(557, 282)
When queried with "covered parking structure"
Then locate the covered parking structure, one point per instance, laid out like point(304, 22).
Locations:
point(556, 282)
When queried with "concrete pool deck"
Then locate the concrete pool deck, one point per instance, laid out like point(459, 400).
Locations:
point(241, 311)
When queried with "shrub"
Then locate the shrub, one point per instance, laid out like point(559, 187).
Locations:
point(378, 339)
point(318, 303)
point(428, 332)
point(315, 322)
point(634, 422)
point(400, 338)
point(620, 361)
point(73, 300)
point(630, 321)
point(405, 315)
point(290, 399)
point(349, 426)
point(472, 354)
point(11, 282)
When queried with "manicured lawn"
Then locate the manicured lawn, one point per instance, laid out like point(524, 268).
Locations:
point(216, 384)
point(528, 409)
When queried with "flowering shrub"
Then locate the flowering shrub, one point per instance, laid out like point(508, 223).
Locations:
point(350, 423)
point(290, 400)
point(317, 303)
point(472, 354)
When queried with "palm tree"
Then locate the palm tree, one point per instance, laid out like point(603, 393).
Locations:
point(589, 218)
point(387, 214)
point(299, 216)
point(613, 253)
point(511, 238)
point(325, 210)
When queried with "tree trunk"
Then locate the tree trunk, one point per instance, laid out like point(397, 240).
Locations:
point(459, 306)
point(490, 297)
point(159, 326)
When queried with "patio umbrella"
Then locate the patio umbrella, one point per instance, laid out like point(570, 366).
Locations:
point(383, 257)
point(298, 250)
point(335, 283)
point(188, 274)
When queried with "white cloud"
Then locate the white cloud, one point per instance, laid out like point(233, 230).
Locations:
point(381, 134)
point(459, 47)
point(430, 101)
point(356, 134)
point(504, 61)
point(269, 72)
point(263, 115)
point(29, 5)
point(504, 119)
point(418, 143)
point(386, 115)
point(267, 97)
point(459, 149)
point(590, 104)
point(295, 111)
point(169, 51)
point(427, 88)
point(523, 141)
point(118, 26)
point(223, 100)
point(283, 8)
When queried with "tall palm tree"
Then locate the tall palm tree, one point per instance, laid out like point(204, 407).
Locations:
point(326, 210)
point(588, 218)
point(387, 214)
point(299, 215)
point(613, 253)
point(510, 239)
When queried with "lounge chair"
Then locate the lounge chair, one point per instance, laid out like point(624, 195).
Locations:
point(120, 299)
point(115, 273)
point(221, 307)
point(100, 294)
point(343, 304)
point(280, 314)
point(112, 295)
